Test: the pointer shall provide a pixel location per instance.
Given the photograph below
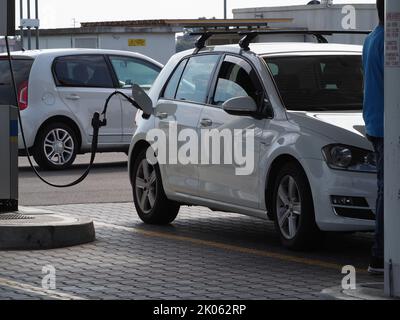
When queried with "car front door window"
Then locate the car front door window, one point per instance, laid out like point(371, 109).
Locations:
point(236, 79)
point(195, 81)
point(131, 71)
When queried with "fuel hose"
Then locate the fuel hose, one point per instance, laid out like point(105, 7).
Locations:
point(98, 121)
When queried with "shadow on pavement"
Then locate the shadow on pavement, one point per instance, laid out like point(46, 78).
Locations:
point(76, 167)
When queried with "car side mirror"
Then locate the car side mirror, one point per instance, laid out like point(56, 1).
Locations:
point(240, 106)
point(142, 99)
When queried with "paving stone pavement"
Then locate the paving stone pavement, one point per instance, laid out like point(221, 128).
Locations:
point(203, 255)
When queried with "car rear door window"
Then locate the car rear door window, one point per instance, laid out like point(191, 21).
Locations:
point(131, 71)
point(195, 81)
point(237, 78)
point(82, 71)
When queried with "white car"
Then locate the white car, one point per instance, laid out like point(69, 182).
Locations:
point(60, 90)
point(315, 170)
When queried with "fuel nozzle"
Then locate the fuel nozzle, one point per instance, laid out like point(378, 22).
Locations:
point(97, 123)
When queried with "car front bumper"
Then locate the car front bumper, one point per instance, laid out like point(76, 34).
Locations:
point(327, 183)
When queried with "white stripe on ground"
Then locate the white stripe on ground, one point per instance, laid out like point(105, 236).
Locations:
point(53, 294)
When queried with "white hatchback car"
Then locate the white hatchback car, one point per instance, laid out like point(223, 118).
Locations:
point(60, 90)
point(314, 171)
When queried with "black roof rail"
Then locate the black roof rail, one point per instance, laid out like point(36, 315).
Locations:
point(319, 34)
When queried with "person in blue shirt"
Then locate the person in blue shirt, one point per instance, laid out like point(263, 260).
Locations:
point(373, 64)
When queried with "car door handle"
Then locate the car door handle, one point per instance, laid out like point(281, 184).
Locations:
point(162, 115)
point(73, 97)
point(206, 122)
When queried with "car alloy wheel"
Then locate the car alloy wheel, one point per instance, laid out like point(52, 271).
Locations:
point(288, 207)
point(293, 209)
point(151, 203)
point(59, 147)
point(146, 186)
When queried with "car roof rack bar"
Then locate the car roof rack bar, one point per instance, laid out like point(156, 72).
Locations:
point(201, 41)
point(207, 34)
point(320, 35)
point(247, 39)
point(252, 32)
point(244, 43)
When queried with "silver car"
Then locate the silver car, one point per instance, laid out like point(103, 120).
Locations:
point(60, 90)
point(314, 170)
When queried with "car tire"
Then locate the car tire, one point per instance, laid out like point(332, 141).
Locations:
point(293, 209)
point(56, 147)
point(152, 205)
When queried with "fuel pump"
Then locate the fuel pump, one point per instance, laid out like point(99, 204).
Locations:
point(7, 17)
point(8, 158)
point(8, 127)
point(392, 148)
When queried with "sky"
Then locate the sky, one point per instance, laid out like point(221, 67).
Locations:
point(57, 13)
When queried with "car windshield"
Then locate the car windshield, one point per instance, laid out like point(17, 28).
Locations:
point(319, 83)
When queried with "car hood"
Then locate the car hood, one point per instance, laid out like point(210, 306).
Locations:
point(342, 127)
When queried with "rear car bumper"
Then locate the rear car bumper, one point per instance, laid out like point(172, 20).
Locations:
point(30, 134)
point(30, 140)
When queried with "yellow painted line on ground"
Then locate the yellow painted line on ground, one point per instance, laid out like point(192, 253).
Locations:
point(228, 247)
point(53, 294)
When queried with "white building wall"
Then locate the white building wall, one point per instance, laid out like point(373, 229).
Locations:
point(57, 42)
point(317, 17)
point(159, 46)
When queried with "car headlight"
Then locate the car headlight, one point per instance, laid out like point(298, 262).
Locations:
point(342, 157)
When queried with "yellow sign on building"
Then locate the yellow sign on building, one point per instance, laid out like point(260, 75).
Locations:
point(137, 42)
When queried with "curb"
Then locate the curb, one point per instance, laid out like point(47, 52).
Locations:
point(31, 229)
